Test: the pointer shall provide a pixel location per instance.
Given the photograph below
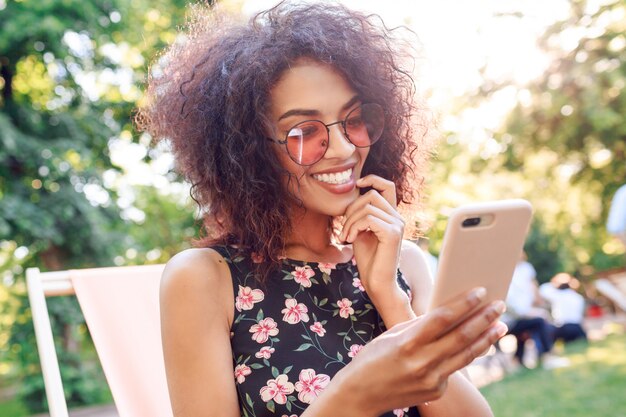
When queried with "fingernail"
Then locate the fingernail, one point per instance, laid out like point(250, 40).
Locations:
point(478, 295)
point(501, 329)
point(499, 306)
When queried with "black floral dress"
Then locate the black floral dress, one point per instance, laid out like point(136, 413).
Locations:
point(294, 333)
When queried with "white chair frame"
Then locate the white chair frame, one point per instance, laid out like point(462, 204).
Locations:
point(42, 285)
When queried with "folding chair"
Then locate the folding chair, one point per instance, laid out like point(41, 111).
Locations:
point(607, 288)
point(121, 308)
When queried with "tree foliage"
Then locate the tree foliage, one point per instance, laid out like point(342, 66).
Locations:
point(562, 146)
point(70, 76)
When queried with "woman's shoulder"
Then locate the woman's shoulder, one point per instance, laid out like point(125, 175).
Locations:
point(196, 272)
point(414, 268)
point(412, 256)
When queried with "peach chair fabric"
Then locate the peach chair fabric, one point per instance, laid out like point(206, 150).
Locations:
point(121, 308)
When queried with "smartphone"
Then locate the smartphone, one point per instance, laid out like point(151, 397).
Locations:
point(481, 246)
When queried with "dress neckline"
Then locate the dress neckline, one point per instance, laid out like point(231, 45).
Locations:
point(297, 262)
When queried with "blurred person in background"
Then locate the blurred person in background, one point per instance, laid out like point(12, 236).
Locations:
point(616, 221)
point(566, 306)
point(523, 316)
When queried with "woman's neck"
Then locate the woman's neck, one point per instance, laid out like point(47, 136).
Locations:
point(310, 239)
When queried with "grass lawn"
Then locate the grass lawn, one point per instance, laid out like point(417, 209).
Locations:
point(13, 408)
point(593, 385)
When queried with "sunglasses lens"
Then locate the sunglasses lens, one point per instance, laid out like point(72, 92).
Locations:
point(307, 142)
point(364, 125)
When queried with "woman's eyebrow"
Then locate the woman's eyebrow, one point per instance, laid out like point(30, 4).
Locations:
point(310, 112)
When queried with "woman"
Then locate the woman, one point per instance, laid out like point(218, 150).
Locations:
point(295, 132)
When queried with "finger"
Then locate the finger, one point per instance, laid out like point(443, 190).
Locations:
point(374, 198)
point(362, 214)
point(463, 358)
point(438, 322)
point(467, 333)
point(369, 223)
point(385, 187)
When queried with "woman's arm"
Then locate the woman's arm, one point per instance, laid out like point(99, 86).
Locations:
point(461, 397)
point(196, 300)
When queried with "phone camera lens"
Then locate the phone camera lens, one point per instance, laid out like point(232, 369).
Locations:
point(470, 222)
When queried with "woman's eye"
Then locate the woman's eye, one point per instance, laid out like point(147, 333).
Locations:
point(354, 121)
point(304, 131)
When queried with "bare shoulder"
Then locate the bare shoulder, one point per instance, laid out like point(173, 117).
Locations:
point(412, 257)
point(197, 275)
point(194, 267)
point(414, 268)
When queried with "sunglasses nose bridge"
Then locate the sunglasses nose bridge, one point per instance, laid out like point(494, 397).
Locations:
point(339, 144)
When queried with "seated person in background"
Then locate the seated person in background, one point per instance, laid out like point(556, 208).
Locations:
point(522, 317)
point(566, 305)
point(616, 221)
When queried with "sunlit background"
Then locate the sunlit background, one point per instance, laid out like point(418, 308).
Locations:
point(528, 97)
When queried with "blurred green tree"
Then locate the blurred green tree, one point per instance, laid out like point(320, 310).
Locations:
point(563, 146)
point(574, 116)
point(70, 77)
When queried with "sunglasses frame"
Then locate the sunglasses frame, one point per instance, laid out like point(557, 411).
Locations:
point(327, 126)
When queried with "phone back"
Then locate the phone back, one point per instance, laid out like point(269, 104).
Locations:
point(481, 246)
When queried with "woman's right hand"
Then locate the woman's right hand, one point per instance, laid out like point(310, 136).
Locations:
point(410, 363)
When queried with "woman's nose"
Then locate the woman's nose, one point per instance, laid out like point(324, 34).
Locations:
point(339, 146)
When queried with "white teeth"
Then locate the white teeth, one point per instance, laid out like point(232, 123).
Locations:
point(335, 177)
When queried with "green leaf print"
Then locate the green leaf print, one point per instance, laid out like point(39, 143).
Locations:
point(259, 315)
point(287, 369)
point(256, 366)
point(303, 346)
point(275, 372)
point(270, 406)
point(323, 302)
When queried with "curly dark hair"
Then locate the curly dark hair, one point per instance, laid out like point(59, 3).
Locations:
point(209, 94)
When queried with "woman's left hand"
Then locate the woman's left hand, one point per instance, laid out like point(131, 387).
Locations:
point(375, 228)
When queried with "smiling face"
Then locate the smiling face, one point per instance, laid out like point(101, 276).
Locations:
point(314, 91)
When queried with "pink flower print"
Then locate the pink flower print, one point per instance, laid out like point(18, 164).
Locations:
point(263, 330)
point(400, 411)
point(318, 328)
point(277, 389)
point(265, 352)
point(356, 282)
point(310, 386)
point(354, 349)
point(241, 372)
point(345, 309)
point(257, 258)
point(326, 267)
point(293, 415)
point(247, 297)
point(353, 261)
point(302, 275)
point(294, 312)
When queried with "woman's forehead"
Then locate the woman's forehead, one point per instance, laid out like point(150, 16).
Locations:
point(310, 85)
